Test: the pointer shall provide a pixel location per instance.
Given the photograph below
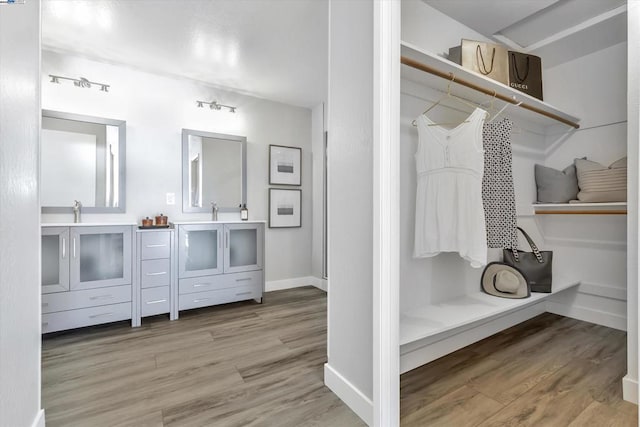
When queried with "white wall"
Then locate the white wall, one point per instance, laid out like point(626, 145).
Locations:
point(19, 210)
point(630, 381)
point(590, 248)
point(349, 370)
point(156, 109)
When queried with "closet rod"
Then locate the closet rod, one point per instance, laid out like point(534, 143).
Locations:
point(450, 76)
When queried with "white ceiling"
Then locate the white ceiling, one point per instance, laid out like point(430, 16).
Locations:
point(277, 49)
point(272, 49)
point(556, 30)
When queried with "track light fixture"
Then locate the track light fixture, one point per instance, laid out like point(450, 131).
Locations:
point(214, 105)
point(82, 82)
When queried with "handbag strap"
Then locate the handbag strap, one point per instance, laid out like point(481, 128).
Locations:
point(480, 59)
point(534, 248)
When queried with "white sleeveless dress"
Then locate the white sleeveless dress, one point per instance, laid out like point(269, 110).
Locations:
point(449, 212)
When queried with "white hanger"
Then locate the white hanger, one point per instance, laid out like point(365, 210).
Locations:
point(451, 96)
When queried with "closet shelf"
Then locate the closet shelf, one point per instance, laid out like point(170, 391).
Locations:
point(430, 70)
point(615, 208)
point(428, 321)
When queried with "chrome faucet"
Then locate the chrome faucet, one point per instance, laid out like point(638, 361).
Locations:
point(214, 211)
point(77, 206)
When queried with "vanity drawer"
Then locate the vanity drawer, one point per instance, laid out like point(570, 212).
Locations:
point(156, 244)
point(220, 281)
point(222, 296)
point(155, 301)
point(155, 272)
point(52, 322)
point(71, 300)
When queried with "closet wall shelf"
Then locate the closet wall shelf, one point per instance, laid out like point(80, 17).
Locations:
point(616, 208)
point(465, 311)
point(431, 70)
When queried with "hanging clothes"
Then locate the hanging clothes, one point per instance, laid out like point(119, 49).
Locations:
point(498, 195)
point(449, 211)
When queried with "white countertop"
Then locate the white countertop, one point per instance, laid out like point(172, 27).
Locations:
point(253, 221)
point(85, 224)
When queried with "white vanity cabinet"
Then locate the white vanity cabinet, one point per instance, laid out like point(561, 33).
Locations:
point(86, 275)
point(155, 281)
point(219, 262)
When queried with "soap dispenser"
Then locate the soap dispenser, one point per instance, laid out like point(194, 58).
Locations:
point(244, 212)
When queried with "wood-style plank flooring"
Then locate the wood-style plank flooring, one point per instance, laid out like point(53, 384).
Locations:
point(247, 364)
point(548, 371)
point(242, 364)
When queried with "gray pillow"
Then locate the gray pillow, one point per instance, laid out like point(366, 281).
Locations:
point(556, 186)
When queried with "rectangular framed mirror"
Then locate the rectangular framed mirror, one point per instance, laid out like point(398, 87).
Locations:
point(82, 158)
point(214, 170)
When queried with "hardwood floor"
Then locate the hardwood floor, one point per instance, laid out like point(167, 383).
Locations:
point(247, 364)
point(549, 371)
point(242, 364)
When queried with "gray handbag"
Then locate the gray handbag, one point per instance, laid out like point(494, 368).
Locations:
point(536, 264)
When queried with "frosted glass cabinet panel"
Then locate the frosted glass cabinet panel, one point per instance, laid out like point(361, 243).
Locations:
point(200, 250)
point(100, 256)
point(55, 259)
point(243, 247)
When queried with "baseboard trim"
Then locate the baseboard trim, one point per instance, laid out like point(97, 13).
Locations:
point(39, 419)
point(349, 394)
point(630, 389)
point(605, 291)
point(588, 315)
point(321, 284)
point(296, 282)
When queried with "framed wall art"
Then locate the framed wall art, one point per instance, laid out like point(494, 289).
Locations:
point(284, 165)
point(284, 208)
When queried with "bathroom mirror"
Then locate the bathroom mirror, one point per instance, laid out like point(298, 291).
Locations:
point(214, 170)
point(82, 158)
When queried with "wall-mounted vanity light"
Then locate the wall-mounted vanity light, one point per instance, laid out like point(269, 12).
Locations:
point(81, 82)
point(214, 105)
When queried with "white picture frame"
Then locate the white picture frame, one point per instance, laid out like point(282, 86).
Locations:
point(285, 165)
point(284, 208)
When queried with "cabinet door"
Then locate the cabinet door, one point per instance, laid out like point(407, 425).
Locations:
point(55, 259)
point(243, 247)
point(199, 250)
point(100, 256)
